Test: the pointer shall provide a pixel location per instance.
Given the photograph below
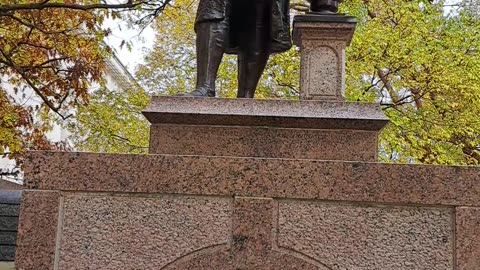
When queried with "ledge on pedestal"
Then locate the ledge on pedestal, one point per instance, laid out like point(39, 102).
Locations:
point(264, 128)
point(312, 114)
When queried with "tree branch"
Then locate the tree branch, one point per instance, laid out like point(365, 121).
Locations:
point(128, 142)
point(44, 5)
point(54, 108)
point(383, 75)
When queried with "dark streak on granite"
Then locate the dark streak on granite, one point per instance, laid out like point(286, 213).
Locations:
point(252, 232)
point(272, 113)
point(252, 243)
point(273, 178)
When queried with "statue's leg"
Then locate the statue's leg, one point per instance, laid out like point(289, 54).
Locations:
point(254, 51)
point(250, 69)
point(211, 45)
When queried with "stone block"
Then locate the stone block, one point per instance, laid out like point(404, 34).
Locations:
point(264, 142)
point(265, 128)
point(200, 212)
point(37, 230)
point(8, 223)
point(468, 238)
point(322, 40)
point(368, 237)
point(8, 238)
point(138, 232)
point(302, 114)
point(255, 177)
point(11, 210)
point(7, 254)
point(253, 243)
point(252, 232)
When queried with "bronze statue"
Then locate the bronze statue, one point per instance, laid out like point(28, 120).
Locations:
point(252, 29)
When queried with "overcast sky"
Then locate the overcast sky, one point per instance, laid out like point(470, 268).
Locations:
point(140, 42)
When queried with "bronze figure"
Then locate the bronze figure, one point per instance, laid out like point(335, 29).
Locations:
point(252, 29)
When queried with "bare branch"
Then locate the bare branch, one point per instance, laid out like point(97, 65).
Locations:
point(289, 86)
point(383, 75)
point(128, 142)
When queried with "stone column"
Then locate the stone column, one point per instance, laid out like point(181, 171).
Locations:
point(322, 40)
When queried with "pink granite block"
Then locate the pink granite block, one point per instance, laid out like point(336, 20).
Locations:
point(253, 232)
point(252, 245)
point(322, 64)
point(368, 237)
point(37, 230)
point(264, 142)
point(255, 177)
point(126, 173)
point(139, 232)
point(468, 238)
point(271, 113)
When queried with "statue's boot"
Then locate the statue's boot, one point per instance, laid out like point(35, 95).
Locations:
point(250, 69)
point(211, 45)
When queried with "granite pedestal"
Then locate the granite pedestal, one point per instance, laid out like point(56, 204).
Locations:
point(194, 207)
point(265, 128)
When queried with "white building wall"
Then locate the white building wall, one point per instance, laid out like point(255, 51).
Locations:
point(117, 79)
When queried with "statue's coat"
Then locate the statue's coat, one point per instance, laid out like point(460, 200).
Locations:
point(221, 11)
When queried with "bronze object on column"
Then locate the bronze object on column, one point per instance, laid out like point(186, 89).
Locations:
point(324, 6)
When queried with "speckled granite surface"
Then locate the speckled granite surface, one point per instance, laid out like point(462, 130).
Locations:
point(265, 128)
point(37, 231)
point(138, 232)
point(322, 63)
point(260, 211)
point(131, 231)
point(368, 237)
point(468, 238)
point(198, 212)
point(273, 178)
point(263, 142)
point(271, 113)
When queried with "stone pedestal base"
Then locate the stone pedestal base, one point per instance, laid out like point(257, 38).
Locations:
point(130, 212)
point(265, 128)
point(187, 211)
point(322, 40)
